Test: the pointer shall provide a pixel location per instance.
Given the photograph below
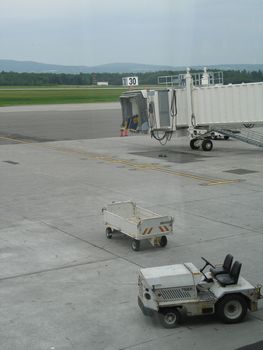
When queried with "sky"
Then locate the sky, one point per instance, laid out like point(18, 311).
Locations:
point(165, 32)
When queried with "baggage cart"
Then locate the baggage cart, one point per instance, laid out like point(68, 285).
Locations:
point(137, 223)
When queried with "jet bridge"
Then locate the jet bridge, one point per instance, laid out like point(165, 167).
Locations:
point(198, 107)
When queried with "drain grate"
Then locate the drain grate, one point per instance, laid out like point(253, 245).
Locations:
point(240, 171)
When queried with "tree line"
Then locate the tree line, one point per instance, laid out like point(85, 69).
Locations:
point(149, 78)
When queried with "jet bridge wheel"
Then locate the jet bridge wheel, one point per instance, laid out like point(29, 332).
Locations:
point(195, 144)
point(170, 317)
point(207, 145)
point(232, 308)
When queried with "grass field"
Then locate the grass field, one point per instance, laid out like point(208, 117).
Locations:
point(33, 96)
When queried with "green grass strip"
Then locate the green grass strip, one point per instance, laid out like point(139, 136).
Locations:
point(16, 97)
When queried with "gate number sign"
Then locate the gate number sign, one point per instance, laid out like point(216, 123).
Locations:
point(130, 81)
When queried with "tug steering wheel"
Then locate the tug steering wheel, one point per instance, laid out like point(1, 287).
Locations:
point(206, 279)
point(206, 264)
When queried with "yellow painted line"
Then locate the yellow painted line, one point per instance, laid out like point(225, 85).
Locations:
point(13, 139)
point(140, 166)
point(222, 182)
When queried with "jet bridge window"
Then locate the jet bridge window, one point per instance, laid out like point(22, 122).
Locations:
point(164, 109)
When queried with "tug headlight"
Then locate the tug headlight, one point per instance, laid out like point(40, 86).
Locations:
point(147, 296)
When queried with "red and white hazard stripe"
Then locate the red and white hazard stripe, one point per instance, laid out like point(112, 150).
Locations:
point(163, 228)
point(148, 230)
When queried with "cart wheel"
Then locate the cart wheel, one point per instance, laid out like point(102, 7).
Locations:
point(163, 241)
point(135, 244)
point(108, 233)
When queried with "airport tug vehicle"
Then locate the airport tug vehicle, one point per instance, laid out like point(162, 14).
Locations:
point(182, 289)
point(138, 223)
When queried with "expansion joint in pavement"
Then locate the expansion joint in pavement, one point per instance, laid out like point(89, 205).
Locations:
point(58, 268)
point(225, 223)
point(117, 256)
point(171, 333)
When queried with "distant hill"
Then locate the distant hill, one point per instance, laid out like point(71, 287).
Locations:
point(247, 67)
point(36, 67)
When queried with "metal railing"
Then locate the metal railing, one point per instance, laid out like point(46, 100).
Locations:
point(169, 80)
point(215, 78)
point(249, 136)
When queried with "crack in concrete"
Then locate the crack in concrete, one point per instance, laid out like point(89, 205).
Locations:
point(92, 244)
point(148, 341)
point(220, 221)
point(55, 269)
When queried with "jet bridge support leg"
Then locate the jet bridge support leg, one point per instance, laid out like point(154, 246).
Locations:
point(202, 140)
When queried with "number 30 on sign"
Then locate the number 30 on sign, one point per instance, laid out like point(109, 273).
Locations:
point(130, 81)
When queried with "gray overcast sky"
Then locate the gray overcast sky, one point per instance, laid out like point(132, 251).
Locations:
point(172, 32)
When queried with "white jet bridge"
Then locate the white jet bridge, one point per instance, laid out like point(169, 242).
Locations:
point(197, 107)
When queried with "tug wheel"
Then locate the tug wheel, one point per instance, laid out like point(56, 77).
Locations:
point(232, 308)
point(170, 318)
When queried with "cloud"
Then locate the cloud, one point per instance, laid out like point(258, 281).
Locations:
point(174, 32)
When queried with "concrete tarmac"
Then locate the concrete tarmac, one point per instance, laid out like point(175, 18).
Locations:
point(64, 285)
point(59, 122)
